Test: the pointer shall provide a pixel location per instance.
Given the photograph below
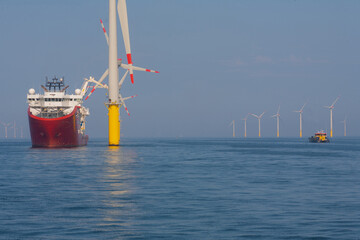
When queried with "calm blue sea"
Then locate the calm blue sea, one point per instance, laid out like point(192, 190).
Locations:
point(182, 189)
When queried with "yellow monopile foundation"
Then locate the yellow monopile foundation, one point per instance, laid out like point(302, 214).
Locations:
point(114, 125)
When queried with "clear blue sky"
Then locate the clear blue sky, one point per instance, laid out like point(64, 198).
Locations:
point(218, 61)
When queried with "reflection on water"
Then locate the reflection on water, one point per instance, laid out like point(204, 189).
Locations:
point(118, 180)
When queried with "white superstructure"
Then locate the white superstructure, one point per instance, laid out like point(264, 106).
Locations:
point(55, 103)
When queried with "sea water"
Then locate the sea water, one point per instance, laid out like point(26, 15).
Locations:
point(182, 189)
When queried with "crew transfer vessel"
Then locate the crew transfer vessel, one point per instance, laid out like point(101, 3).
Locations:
point(320, 137)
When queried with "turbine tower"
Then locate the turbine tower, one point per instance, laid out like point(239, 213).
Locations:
point(113, 104)
point(300, 113)
point(344, 126)
point(331, 107)
point(14, 127)
point(115, 99)
point(245, 119)
point(233, 124)
point(259, 118)
point(277, 115)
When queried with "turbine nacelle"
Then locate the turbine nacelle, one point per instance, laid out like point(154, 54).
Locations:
point(122, 13)
point(277, 113)
point(244, 119)
point(258, 117)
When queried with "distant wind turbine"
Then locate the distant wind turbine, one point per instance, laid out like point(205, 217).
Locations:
point(277, 115)
point(259, 118)
point(301, 111)
point(245, 119)
point(331, 115)
point(14, 127)
point(344, 126)
point(6, 125)
point(233, 124)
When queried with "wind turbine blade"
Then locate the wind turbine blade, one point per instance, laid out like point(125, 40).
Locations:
point(303, 106)
point(261, 115)
point(130, 97)
point(125, 66)
point(106, 35)
point(123, 103)
point(122, 79)
point(332, 105)
point(278, 110)
point(105, 74)
point(122, 12)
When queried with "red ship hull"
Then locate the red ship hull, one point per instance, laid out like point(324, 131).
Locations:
point(57, 132)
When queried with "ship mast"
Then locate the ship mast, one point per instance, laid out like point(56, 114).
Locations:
point(113, 105)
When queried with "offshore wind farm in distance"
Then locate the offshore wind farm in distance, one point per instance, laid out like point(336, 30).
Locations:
point(277, 117)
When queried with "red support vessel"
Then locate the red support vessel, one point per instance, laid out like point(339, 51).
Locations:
point(57, 119)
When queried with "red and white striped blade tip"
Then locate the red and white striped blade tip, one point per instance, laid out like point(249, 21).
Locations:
point(132, 78)
point(102, 25)
point(149, 70)
point(127, 111)
point(129, 58)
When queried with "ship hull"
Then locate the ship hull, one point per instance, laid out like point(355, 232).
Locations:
point(317, 140)
point(57, 132)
